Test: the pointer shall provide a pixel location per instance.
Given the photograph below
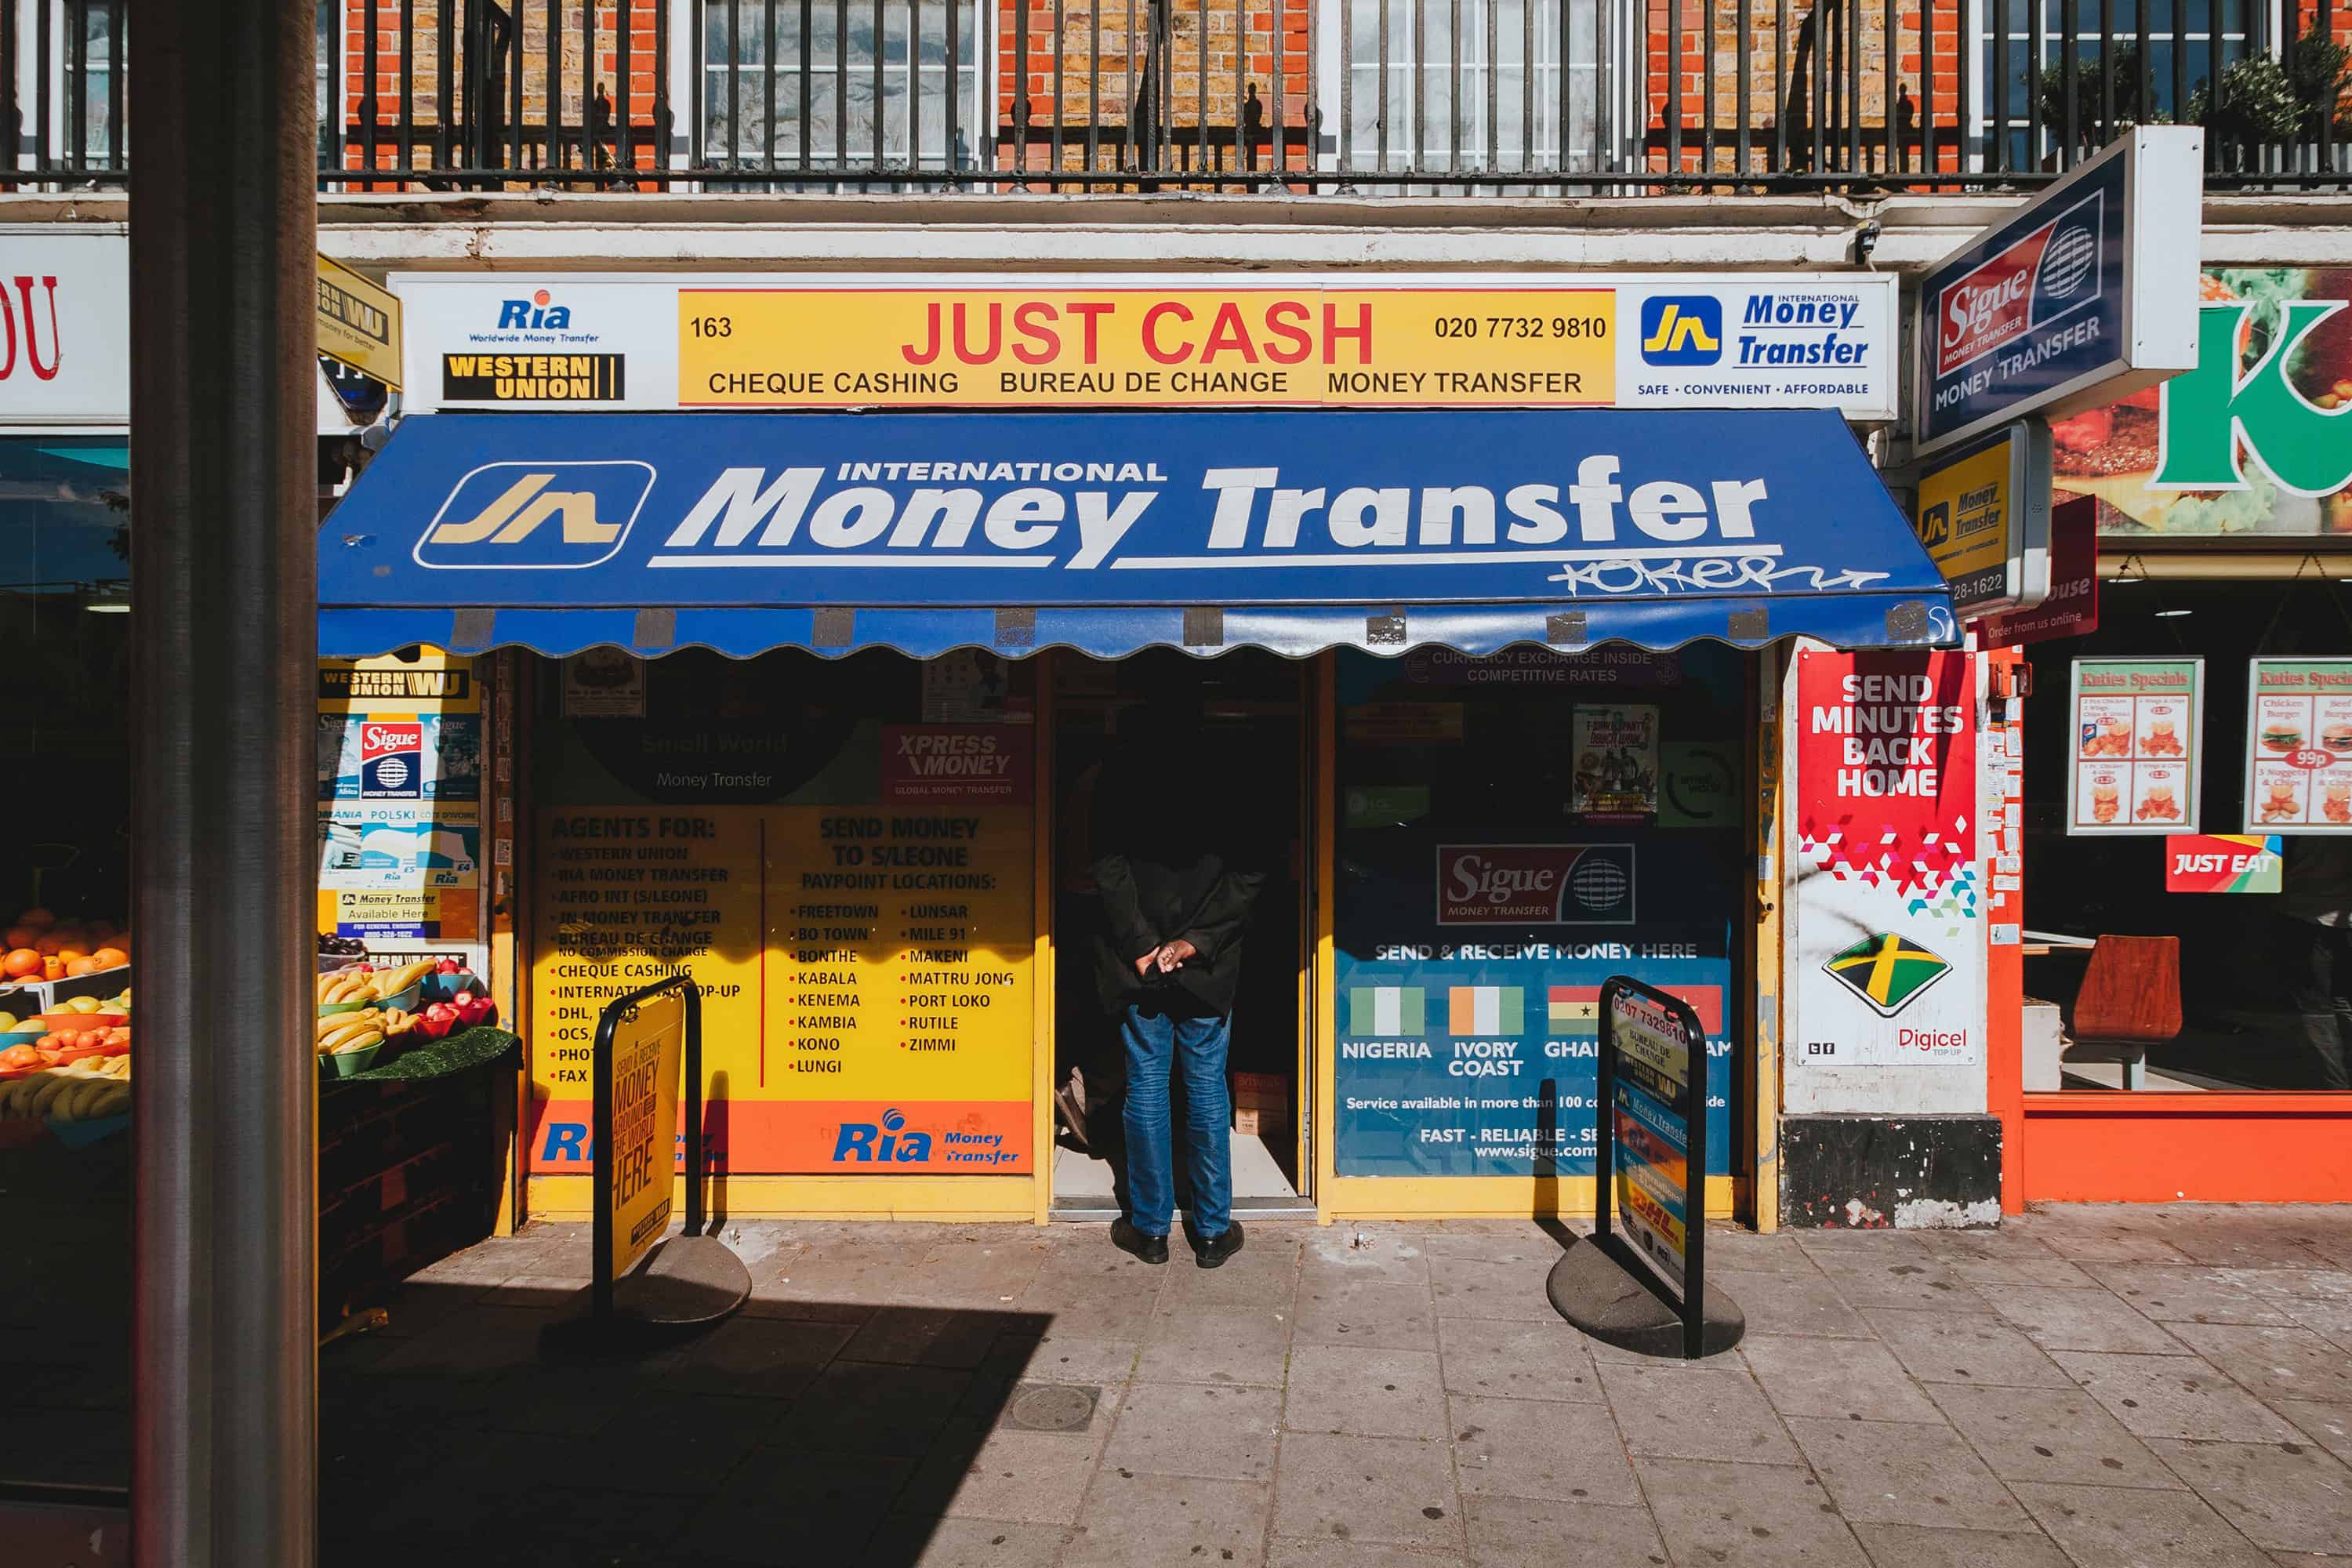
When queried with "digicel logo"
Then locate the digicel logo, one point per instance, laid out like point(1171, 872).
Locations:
point(381, 739)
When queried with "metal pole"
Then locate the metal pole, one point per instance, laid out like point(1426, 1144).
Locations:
point(223, 643)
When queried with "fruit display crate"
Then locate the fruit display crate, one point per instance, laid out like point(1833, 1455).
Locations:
point(27, 997)
point(412, 1159)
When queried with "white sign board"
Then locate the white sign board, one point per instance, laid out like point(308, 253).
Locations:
point(65, 326)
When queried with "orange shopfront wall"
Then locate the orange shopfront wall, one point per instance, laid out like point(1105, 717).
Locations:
point(2222, 1144)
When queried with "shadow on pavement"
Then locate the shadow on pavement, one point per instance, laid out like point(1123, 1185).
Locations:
point(845, 1429)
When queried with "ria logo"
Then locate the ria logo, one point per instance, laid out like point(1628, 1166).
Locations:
point(1682, 329)
point(537, 314)
point(1886, 971)
point(885, 1144)
point(537, 516)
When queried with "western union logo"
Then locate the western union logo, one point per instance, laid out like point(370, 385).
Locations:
point(1888, 971)
point(1678, 333)
point(533, 378)
point(521, 507)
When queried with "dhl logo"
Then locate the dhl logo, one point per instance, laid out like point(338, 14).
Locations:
point(1682, 329)
point(537, 515)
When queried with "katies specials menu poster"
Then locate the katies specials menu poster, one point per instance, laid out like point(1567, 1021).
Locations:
point(2298, 774)
point(2139, 742)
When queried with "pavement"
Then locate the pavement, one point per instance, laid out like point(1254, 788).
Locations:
point(2102, 1387)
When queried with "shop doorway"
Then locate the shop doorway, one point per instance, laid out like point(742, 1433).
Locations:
point(1256, 706)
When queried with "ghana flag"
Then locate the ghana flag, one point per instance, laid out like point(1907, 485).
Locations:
point(1886, 971)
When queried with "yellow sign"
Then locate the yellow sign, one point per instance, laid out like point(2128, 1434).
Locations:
point(431, 682)
point(648, 1044)
point(1146, 347)
point(866, 974)
point(1984, 516)
point(359, 323)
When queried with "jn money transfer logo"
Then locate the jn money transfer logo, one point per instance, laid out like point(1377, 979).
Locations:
point(1886, 971)
point(537, 516)
point(1682, 329)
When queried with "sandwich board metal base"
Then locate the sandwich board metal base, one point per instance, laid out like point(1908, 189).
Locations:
point(689, 1280)
point(1602, 1296)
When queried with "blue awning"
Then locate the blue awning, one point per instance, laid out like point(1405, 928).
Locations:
point(1111, 532)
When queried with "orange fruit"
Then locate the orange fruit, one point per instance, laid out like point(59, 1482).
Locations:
point(36, 916)
point(76, 967)
point(52, 967)
point(20, 936)
point(69, 951)
point(111, 958)
point(20, 964)
point(101, 931)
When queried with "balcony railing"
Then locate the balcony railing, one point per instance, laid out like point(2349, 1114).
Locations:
point(1368, 97)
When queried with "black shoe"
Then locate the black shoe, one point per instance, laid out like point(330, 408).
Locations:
point(1212, 1253)
point(1127, 1238)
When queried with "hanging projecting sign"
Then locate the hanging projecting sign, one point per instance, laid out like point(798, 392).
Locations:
point(2299, 746)
point(2087, 295)
point(2071, 608)
point(359, 323)
point(1826, 341)
point(1984, 516)
point(65, 326)
point(2140, 745)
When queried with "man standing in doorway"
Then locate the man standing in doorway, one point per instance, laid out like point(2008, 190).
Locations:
point(1176, 864)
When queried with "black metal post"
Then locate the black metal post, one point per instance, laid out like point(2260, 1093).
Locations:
point(224, 646)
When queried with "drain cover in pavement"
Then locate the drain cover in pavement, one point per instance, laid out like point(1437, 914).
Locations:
point(1050, 1408)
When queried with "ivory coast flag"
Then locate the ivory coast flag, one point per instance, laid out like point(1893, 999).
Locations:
point(1485, 1010)
point(1386, 1010)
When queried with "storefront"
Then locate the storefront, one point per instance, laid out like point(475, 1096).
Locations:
point(2223, 591)
point(811, 703)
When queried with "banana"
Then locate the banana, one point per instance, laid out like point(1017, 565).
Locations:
point(335, 1023)
point(359, 1023)
point(15, 1096)
point(115, 1101)
point(53, 1084)
point(396, 1022)
point(359, 1042)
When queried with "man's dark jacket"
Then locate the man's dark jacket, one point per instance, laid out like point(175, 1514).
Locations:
point(1178, 851)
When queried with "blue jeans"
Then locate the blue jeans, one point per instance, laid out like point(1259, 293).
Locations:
point(1196, 1047)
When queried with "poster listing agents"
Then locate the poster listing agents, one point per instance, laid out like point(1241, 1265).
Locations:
point(2138, 746)
point(1890, 938)
point(2298, 772)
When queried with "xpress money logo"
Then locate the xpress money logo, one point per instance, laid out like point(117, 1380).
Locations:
point(1886, 971)
point(1682, 329)
point(537, 516)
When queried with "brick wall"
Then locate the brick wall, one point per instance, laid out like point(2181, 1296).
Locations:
point(569, 90)
point(1212, 98)
point(1804, 76)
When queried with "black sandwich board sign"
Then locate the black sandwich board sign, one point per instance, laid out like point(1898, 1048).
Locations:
point(1651, 1141)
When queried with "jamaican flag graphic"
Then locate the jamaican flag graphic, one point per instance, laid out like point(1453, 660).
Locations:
point(1888, 971)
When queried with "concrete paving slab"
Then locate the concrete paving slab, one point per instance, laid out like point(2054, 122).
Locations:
point(1936, 1348)
point(1396, 1491)
point(2280, 1500)
point(2072, 1320)
point(1335, 1553)
point(2329, 1426)
point(1835, 1378)
point(2292, 1362)
point(1498, 1359)
point(1791, 1302)
point(2176, 1293)
point(2173, 1396)
point(1746, 1516)
point(1197, 1429)
point(1384, 1312)
point(1533, 1448)
point(1365, 1392)
point(918, 1542)
point(1511, 1289)
point(1132, 1520)
point(2057, 1435)
point(1928, 1546)
point(1707, 1410)
point(2113, 1527)
point(1905, 1473)
point(1219, 1346)
point(1527, 1532)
